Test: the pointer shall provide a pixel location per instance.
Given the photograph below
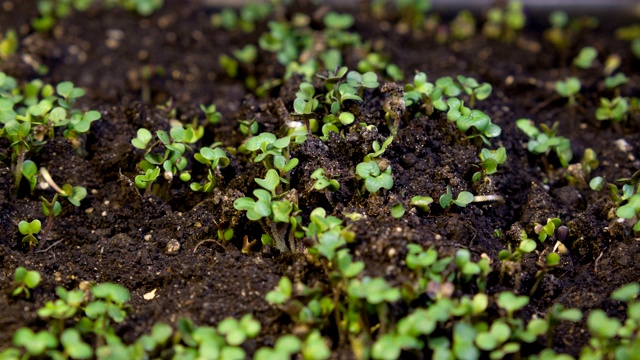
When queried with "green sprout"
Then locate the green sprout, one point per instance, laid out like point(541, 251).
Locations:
point(8, 44)
point(25, 280)
point(465, 119)
point(171, 160)
point(74, 194)
point(397, 210)
point(543, 142)
point(550, 262)
point(585, 57)
point(556, 315)
point(568, 89)
point(215, 158)
point(463, 26)
point(511, 260)
point(36, 344)
point(285, 347)
point(616, 109)
point(428, 95)
point(464, 198)
point(323, 182)
point(490, 161)
point(211, 113)
point(374, 177)
point(475, 90)
point(547, 230)
point(236, 332)
point(504, 24)
point(30, 230)
point(421, 202)
point(631, 33)
point(631, 210)
point(248, 127)
point(559, 34)
point(51, 209)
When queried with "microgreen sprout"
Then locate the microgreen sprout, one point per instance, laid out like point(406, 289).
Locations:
point(51, 209)
point(465, 119)
point(631, 210)
point(422, 202)
point(490, 161)
point(371, 169)
point(547, 230)
point(464, 198)
point(30, 230)
point(511, 260)
point(211, 113)
point(505, 23)
point(569, 88)
point(323, 182)
point(428, 95)
point(8, 43)
point(616, 109)
point(475, 90)
point(586, 57)
point(551, 261)
point(215, 158)
point(74, 194)
point(543, 142)
point(25, 280)
point(397, 210)
point(171, 160)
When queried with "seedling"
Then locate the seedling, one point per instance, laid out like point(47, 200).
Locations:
point(556, 315)
point(569, 89)
point(30, 230)
point(543, 142)
point(547, 230)
point(422, 202)
point(8, 44)
point(631, 33)
point(464, 198)
point(616, 109)
point(397, 210)
point(504, 24)
point(236, 332)
point(463, 26)
point(511, 260)
point(248, 127)
point(171, 160)
point(550, 262)
point(323, 182)
point(74, 194)
point(428, 95)
point(36, 344)
point(474, 89)
point(559, 34)
point(215, 158)
point(490, 161)
point(631, 210)
point(465, 119)
point(211, 113)
point(413, 12)
point(585, 58)
point(50, 210)
point(285, 347)
point(25, 280)
point(374, 178)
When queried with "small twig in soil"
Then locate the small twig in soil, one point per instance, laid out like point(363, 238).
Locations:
point(49, 248)
point(206, 241)
point(129, 182)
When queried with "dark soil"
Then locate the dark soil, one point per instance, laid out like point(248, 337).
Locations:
point(117, 235)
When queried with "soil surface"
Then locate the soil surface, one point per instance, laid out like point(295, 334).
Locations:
point(118, 235)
